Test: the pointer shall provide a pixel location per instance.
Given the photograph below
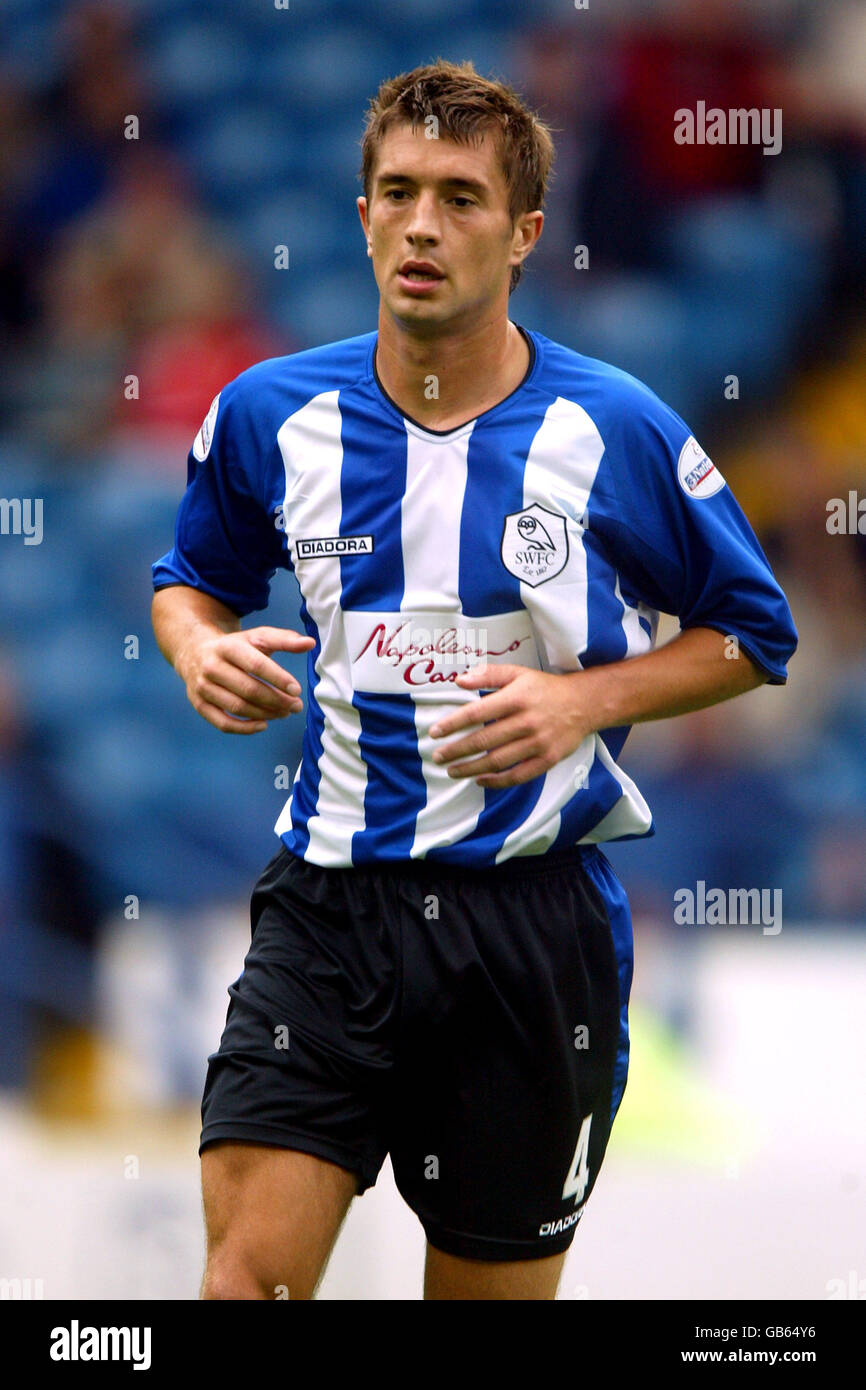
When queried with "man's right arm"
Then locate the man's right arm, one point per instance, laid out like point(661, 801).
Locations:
point(229, 676)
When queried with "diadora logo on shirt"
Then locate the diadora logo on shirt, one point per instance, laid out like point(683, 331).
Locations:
point(534, 544)
point(313, 547)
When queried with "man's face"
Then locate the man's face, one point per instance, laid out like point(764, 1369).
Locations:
point(443, 206)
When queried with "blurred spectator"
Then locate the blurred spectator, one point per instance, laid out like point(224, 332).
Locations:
point(112, 269)
point(143, 286)
point(662, 62)
point(65, 142)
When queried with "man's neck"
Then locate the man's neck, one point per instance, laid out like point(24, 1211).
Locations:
point(442, 382)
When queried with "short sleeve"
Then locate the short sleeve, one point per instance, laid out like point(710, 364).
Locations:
point(678, 538)
point(226, 543)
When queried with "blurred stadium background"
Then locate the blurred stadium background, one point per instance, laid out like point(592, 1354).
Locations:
point(131, 832)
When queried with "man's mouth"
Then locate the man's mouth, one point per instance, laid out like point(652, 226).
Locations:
point(413, 270)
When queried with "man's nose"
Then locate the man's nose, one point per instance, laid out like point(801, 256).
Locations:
point(423, 224)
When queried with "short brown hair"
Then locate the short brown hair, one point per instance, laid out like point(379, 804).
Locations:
point(466, 105)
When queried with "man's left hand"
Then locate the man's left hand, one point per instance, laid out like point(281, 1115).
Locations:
point(530, 722)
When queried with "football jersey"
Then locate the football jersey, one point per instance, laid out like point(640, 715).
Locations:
point(548, 532)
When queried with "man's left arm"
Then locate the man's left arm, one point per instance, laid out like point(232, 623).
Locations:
point(536, 718)
point(662, 514)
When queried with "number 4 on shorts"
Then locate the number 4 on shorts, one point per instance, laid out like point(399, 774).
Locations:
point(578, 1173)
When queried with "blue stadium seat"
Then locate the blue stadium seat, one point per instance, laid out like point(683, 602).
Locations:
point(492, 49)
point(48, 580)
point(31, 44)
point(303, 218)
point(642, 325)
point(197, 60)
point(246, 147)
point(746, 252)
point(330, 71)
point(340, 305)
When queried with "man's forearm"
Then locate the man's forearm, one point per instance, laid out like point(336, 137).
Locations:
point(689, 673)
point(180, 613)
point(230, 677)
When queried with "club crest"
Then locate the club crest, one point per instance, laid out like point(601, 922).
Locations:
point(534, 544)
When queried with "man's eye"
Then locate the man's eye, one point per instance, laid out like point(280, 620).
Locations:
point(396, 193)
point(464, 202)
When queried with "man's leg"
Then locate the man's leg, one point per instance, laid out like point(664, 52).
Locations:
point(272, 1216)
point(451, 1276)
point(503, 1089)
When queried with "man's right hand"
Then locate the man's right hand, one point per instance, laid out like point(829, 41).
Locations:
point(233, 683)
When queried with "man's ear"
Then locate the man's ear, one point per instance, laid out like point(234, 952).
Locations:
point(531, 225)
point(362, 213)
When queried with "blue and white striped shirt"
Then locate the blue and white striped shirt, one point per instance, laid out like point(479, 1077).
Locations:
point(549, 532)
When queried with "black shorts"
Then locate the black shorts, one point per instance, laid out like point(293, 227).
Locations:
point(471, 1023)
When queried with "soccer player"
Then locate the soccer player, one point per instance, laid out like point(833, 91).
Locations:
point(484, 526)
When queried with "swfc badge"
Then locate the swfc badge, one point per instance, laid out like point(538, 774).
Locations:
point(202, 442)
point(534, 544)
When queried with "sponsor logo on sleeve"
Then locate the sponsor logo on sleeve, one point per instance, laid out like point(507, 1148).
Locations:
point(204, 438)
point(698, 475)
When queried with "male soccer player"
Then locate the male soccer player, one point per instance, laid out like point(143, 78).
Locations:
point(484, 526)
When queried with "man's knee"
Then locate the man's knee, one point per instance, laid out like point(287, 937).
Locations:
point(232, 1273)
point(272, 1216)
point(230, 1276)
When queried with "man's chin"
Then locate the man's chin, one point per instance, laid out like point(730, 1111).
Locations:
point(416, 313)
